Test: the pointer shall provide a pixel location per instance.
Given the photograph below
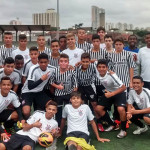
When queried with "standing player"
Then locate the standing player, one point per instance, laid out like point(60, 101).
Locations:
point(10, 71)
point(32, 91)
point(64, 81)
point(81, 43)
point(77, 116)
point(109, 43)
point(7, 48)
point(101, 33)
point(62, 43)
point(114, 94)
point(39, 122)
point(22, 49)
point(132, 47)
point(140, 97)
point(144, 61)
point(72, 51)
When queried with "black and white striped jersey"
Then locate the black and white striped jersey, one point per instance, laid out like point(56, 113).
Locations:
point(86, 77)
point(5, 52)
point(53, 61)
point(46, 51)
point(85, 46)
point(67, 79)
point(120, 64)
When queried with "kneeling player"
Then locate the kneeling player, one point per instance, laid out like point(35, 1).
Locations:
point(39, 122)
point(114, 94)
point(139, 105)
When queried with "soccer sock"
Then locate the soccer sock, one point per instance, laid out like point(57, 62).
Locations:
point(99, 121)
point(106, 118)
point(9, 124)
point(123, 125)
point(137, 122)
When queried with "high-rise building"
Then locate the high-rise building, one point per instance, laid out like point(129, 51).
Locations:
point(98, 17)
point(48, 18)
point(15, 22)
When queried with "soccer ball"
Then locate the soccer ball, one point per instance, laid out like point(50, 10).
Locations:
point(45, 139)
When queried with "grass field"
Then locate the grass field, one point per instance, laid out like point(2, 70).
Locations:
point(131, 142)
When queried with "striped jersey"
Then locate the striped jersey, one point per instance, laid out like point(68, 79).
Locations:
point(53, 61)
point(14, 76)
point(67, 79)
point(46, 51)
point(85, 46)
point(86, 77)
point(120, 64)
point(5, 52)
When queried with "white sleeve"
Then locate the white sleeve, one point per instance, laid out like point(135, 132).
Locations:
point(13, 54)
point(32, 73)
point(17, 79)
point(130, 97)
point(25, 70)
point(90, 116)
point(116, 80)
point(64, 113)
point(139, 57)
point(15, 101)
point(33, 118)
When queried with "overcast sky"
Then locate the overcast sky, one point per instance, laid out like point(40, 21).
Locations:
point(72, 12)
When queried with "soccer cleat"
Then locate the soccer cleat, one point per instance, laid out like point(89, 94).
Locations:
point(140, 130)
point(100, 127)
point(110, 128)
point(117, 127)
point(127, 125)
point(122, 134)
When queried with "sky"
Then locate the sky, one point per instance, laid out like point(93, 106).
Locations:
point(73, 12)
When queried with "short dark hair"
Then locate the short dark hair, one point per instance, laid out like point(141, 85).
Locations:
point(138, 77)
point(95, 36)
point(76, 94)
point(22, 37)
point(43, 56)
point(148, 33)
point(103, 62)
point(64, 56)
point(33, 48)
point(51, 102)
point(85, 55)
point(55, 40)
point(40, 35)
point(80, 29)
point(61, 37)
point(5, 78)
point(19, 57)
point(108, 36)
point(119, 39)
point(100, 28)
point(9, 60)
point(131, 36)
point(7, 33)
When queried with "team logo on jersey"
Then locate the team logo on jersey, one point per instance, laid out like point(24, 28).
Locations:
point(105, 82)
point(75, 55)
point(48, 127)
point(80, 112)
point(141, 100)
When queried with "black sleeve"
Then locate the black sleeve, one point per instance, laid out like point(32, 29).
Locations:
point(1, 130)
point(19, 112)
point(32, 84)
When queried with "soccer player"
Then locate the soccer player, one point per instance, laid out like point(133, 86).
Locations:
point(10, 71)
point(144, 61)
point(62, 43)
point(132, 47)
point(32, 91)
point(86, 74)
point(8, 97)
point(139, 105)
point(7, 48)
point(42, 45)
point(114, 94)
point(22, 49)
point(39, 122)
point(72, 51)
point(77, 116)
point(101, 33)
point(81, 43)
point(109, 43)
point(33, 52)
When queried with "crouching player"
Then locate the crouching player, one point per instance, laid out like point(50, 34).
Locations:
point(139, 105)
point(113, 94)
point(77, 115)
point(39, 122)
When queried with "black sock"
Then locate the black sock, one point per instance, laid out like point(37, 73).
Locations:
point(9, 123)
point(106, 118)
point(99, 121)
point(137, 122)
point(123, 125)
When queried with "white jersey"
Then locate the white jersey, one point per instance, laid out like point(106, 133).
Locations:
point(142, 100)
point(77, 119)
point(24, 53)
point(144, 61)
point(74, 55)
point(35, 73)
point(47, 125)
point(10, 98)
point(14, 76)
point(111, 82)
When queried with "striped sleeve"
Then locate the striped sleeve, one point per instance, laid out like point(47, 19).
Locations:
point(131, 61)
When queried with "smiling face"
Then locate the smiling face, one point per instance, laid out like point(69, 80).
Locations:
point(63, 63)
point(19, 64)
point(132, 41)
point(76, 101)
point(147, 40)
point(5, 87)
point(102, 69)
point(51, 110)
point(71, 42)
point(55, 47)
point(85, 63)
point(137, 85)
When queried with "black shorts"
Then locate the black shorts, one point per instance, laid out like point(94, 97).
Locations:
point(79, 134)
point(87, 93)
point(4, 115)
point(38, 99)
point(117, 100)
point(99, 90)
point(147, 84)
point(62, 100)
point(18, 141)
